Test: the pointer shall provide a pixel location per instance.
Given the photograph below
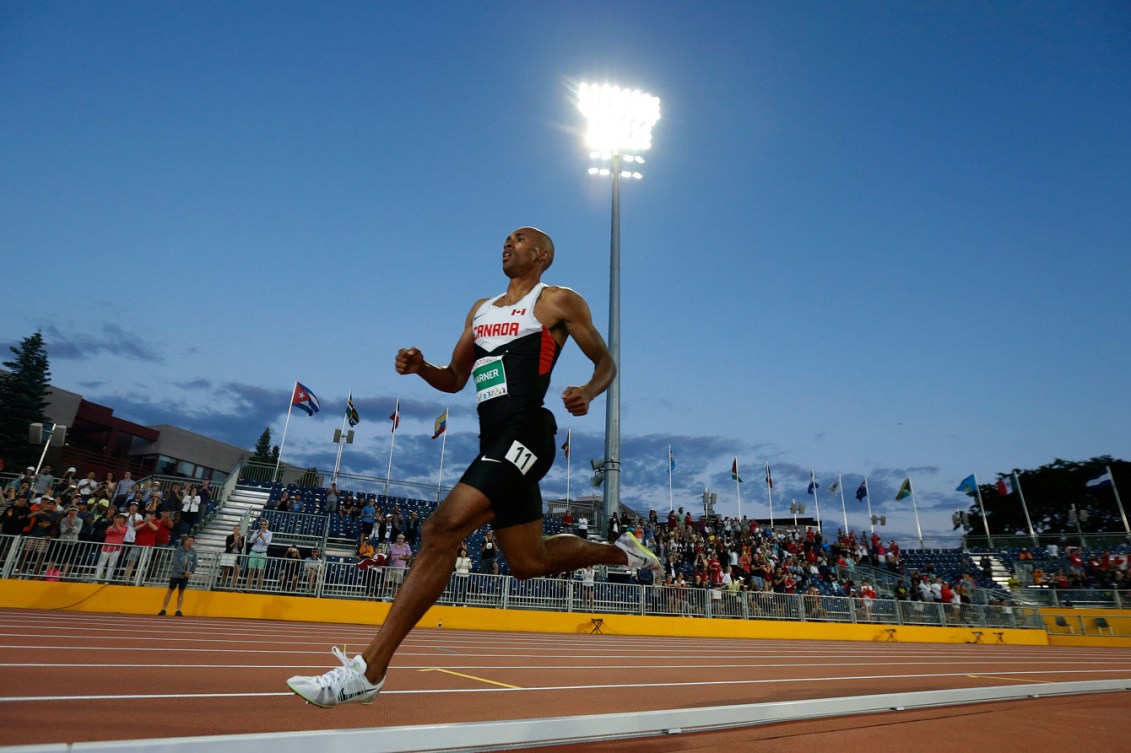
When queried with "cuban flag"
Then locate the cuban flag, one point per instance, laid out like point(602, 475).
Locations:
point(862, 490)
point(305, 399)
point(813, 485)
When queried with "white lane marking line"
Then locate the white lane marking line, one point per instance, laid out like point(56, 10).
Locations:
point(189, 696)
point(566, 667)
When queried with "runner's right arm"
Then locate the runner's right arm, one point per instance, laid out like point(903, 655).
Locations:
point(450, 378)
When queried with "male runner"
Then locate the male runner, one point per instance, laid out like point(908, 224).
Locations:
point(509, 344)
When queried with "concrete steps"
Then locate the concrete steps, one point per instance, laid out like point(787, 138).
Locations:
point(243, 500)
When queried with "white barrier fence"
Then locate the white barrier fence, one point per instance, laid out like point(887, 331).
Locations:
point(93, 562)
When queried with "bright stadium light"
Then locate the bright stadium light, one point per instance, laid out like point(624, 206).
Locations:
point(620, 120)
point(619, 125)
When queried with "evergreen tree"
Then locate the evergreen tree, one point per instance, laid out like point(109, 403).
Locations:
point(1050, 493)
point(23, 400)
point(263, 448)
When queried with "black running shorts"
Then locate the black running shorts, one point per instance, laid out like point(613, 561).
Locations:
point(512, 460)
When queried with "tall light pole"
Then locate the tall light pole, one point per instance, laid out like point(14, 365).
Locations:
point(619, 126)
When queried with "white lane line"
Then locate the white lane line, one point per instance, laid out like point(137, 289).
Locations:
point(568, 667)
point(614, 686)
point(822, 660)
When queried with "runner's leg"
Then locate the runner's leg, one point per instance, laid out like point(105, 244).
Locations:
point(462, 511)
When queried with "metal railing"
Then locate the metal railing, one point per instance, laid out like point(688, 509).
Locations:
point(1088, 540)
point(40, 559)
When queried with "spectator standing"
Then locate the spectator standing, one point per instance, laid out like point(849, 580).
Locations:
point(463, 571)
point(400, 555)
point(367, 518)
point(332, 498)
point(229, 560)
point(44, 483)
point(68, 482)
point(582, 526)
point(412, 529)
point(14, 519)
point(488, 554)
point(112, 548)
point(205, 493)
point(190, 510)
point(134, 520)
point(70, 529)
point(123, 488)
point(312, 568)
point(183, 566)
point(257, 560)
point(27, 477)
point(292, 562)
point(145, 540)
point(44, 520)
point(587, 576)
point(88, 485)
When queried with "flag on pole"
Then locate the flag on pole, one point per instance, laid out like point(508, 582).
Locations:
point(813, 485)
point(904, 489)
point(671, 460)
point(769, 478)
point(968, 485)
point(1104, 479)
point(441, 424)
point(833, 487)
point(1005, 486)
point(395, 416)
point(566, 446)
point(351, 412)
point(305, 399)
point(862, 490)
point(734, 471)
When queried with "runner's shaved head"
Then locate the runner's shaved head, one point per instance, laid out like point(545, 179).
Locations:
point(546, 243)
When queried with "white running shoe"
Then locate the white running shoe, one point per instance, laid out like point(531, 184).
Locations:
point(639, 556)
point(344, 684)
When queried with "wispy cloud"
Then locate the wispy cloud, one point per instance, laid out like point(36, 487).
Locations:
point(111, 339)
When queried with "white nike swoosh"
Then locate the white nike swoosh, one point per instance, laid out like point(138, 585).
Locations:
point(489, 460)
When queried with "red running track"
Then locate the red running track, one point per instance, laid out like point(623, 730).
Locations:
point(128, 677)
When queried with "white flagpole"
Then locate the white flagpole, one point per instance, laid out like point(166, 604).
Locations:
point(738, 488)
point(392, 443)
point(843, 507)
point(915, 508)
point(1025, 507)
point(770, 494)
point(569, 461)
point(816, 502)
point(868, 499)
point(443, 446)
point(283, 441)
point(1118, 501)
point(985, 522)
point(670, 503)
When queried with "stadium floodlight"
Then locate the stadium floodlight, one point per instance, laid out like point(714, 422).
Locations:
point(620, 120)
point(619, 125)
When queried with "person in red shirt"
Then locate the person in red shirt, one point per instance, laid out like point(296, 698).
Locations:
point(164, 533)
point(947, 594)
point(715, 569)
point(145, 535)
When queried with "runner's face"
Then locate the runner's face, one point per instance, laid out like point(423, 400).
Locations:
point(521, 249)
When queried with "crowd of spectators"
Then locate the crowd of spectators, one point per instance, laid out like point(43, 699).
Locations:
point(743, 555)
point(114, 512)
point(1070, 568)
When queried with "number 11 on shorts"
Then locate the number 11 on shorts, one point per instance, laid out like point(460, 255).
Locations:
point(521, 457)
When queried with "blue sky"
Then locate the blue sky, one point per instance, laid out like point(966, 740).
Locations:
point(879, 239)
